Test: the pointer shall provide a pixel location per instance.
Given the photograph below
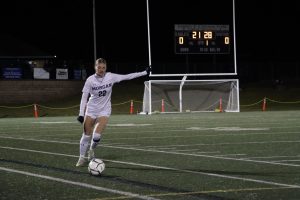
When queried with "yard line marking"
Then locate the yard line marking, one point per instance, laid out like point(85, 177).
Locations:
point(227, 143)
point(121, 144)
point(187, 150)
point(159, 137)
point(196, 151)
point(39, 131)
point(200, 192)
point(53, 141)
point(86, 185)
point(286, 161)
point(59, 122)
point(164, 168)
point(166, 148)
point(208, 152)
point(39, 140)
point(203, 155)
point(211, 135)
point(274, 157)
point(237, 154)
point(128, 125)
point(227, 129)
point(125, 145)
point(165, 152)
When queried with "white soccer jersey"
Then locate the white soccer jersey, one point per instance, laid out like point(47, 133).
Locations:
point(100, 90)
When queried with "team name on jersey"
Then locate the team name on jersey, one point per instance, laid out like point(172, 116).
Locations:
point(102, 87)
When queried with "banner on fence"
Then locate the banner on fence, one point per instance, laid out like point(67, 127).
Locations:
point(40, 73)
point(12, 73)
point(61, 74)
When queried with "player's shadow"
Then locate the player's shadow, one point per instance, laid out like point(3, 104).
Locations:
point(42, 166)
point(204, 171)
point(160, 188)
point(122, 180)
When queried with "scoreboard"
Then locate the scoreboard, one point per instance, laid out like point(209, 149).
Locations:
point(202, 39)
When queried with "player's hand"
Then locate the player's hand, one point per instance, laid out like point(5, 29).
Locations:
point(80, 119)
point(148, 69)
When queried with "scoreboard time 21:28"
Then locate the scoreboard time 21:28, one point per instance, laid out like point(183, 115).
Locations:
point(202, 39)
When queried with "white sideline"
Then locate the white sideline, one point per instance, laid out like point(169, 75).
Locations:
point(165, 168)
point(129, 194)
point(271, 157)
point(227, 143)
point(175, 136)
point(287, 161)
point(165, 152)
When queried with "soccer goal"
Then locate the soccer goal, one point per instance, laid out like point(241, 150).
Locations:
point(180, 96)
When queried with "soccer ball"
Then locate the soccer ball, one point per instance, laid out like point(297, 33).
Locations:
point(96, 166)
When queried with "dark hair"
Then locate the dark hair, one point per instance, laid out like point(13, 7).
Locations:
point(101, 60)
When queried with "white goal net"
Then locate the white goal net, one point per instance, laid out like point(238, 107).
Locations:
point(170, 96)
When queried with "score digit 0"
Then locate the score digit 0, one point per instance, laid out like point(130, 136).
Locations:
point(180, 40)
point(226, 40)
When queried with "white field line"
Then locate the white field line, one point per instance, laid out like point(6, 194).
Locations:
point(118, 144)
point(189, 145)
point(166, 152)
point(155, 125)
point(196, 151)
point(21, 129)
point(210, 135)
point(203, 156)
point(237, 154)
point(225, 143)
point(277, 161)
point(85, 185)
point(39, 130)
point(126, 145)
point(208, 152)
point(224, 129)
point(165, 168)
point(184, 150)
point(271, 157)
point(166, 148)
point(54, 122)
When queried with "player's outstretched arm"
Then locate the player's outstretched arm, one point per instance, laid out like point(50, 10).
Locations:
point(119, 77)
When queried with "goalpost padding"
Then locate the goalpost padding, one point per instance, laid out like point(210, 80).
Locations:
point(191, 96)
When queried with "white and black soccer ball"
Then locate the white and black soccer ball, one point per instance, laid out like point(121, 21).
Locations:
point(96, 166)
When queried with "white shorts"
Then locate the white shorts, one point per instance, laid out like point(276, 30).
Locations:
point(95, 115)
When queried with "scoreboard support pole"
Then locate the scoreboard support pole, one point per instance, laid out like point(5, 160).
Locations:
point(180, 93)
point(148, 28)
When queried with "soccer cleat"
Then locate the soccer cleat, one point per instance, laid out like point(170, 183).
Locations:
point(81, 162)
point(91, 154)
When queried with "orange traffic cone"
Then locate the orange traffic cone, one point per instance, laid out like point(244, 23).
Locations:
point(131, 107)
point(220, 106)
point(162, 105)
point(264, 104)
point(35, 109)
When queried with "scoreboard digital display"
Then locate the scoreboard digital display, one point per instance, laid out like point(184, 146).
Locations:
point(202, 39)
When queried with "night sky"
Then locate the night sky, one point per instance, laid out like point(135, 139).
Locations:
point(264, 31)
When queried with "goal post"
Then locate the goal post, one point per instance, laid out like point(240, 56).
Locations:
point(181, 96)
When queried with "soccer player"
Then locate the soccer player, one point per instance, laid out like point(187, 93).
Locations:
point(95, 111)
